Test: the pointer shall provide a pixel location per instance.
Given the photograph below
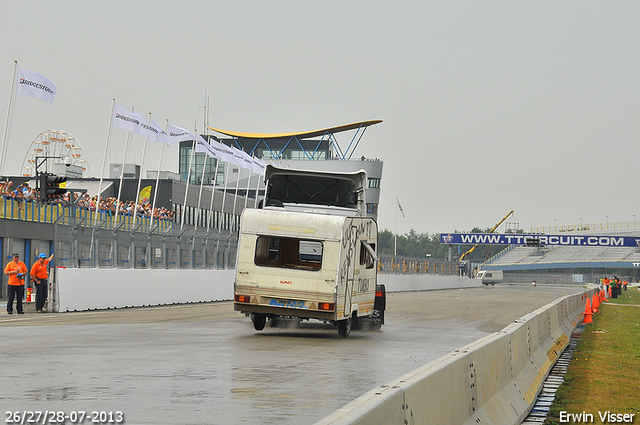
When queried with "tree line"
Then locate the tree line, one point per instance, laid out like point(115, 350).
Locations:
point(422, 245)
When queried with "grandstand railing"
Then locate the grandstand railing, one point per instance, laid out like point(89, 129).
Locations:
point(614, 225)
point(51, 213)
point(499, 254)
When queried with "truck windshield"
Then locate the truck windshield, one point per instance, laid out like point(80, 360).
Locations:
point(289, 253)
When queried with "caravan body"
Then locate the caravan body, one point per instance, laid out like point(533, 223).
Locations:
point(490, 277)
point(306, 265)
point(309, 252)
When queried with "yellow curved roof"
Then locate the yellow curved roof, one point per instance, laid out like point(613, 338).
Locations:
point(302, 134)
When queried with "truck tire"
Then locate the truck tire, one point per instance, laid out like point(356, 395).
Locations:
point(344, 327)
point(259, 320)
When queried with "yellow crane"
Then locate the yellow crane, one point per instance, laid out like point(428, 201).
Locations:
point(490, 231)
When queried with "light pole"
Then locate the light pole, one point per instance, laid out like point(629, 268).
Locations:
point(580, 223)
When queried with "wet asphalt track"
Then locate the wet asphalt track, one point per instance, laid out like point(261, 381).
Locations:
point(204, 364)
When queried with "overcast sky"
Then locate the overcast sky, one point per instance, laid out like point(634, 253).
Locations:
point(487, 107)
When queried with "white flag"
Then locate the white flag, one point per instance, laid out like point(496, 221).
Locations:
point(222, 152)
point(178, 134)
point(164, 137)
point(204, 148)
point(258, 165)
point(133, 122)
point(219, 150)
point(241, 159)
point(400, 207)
point(35, 85)
point(249, 162)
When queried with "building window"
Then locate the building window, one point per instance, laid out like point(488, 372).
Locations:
point(374, 183)
point(372, 208)
point(198, 161)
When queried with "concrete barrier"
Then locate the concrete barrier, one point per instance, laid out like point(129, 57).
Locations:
point(425, 282)
point(88, 289)
point(494, 380)
point(80, 289)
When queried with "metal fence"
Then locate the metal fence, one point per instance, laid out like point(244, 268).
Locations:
point(79, 242)
point(563, 276)
point(83, 243)
point(398, 264)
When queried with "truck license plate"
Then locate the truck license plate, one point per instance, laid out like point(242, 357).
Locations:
point(287, 303)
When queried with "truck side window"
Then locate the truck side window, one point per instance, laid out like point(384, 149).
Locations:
point(367, 254)
point(267, 251)
point(274, 249)
point(289, 253)
point(310, 251)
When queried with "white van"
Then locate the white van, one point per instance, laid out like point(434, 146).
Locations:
point(490, 276)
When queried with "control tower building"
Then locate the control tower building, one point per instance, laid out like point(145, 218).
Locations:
point(317, 150)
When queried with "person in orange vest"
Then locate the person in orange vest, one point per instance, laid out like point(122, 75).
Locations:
point(16, 270)
point(39, 276)
point(605, 283)
point(624, 284)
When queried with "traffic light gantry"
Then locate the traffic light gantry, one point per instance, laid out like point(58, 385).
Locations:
point(50, 189)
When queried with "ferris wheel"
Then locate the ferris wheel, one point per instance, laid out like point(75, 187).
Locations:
point(52, 143)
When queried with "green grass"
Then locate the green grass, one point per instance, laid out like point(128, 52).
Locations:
point(604, 374)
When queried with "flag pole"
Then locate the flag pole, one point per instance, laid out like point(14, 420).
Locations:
point(186, 189)
point(235, 196)
point(246, 195)
point(395, 236)
point(104, 159)
point(8, 120)
point(124, 159)
point(155, 194)
point(255, 203)
point(224, 195)
point(204, 167)
point(144, 151)
point(213, 190)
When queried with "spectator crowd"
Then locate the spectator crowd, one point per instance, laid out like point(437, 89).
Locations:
point(23, 193)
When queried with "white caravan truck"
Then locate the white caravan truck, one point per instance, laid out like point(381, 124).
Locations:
point(309, 261)
point(490, 277)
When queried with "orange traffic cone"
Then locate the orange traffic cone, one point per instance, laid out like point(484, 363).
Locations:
point(587, 312)
point(595, 304)
point(602, 298)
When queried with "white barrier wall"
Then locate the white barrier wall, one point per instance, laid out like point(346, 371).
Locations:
point(494, 380)
point(421, 282)
point(88, 289)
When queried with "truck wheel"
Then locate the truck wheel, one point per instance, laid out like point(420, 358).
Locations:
point(259, 321)
point(344, 327)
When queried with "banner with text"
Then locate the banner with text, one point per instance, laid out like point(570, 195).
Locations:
point(35, 85)
point(543, 240)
